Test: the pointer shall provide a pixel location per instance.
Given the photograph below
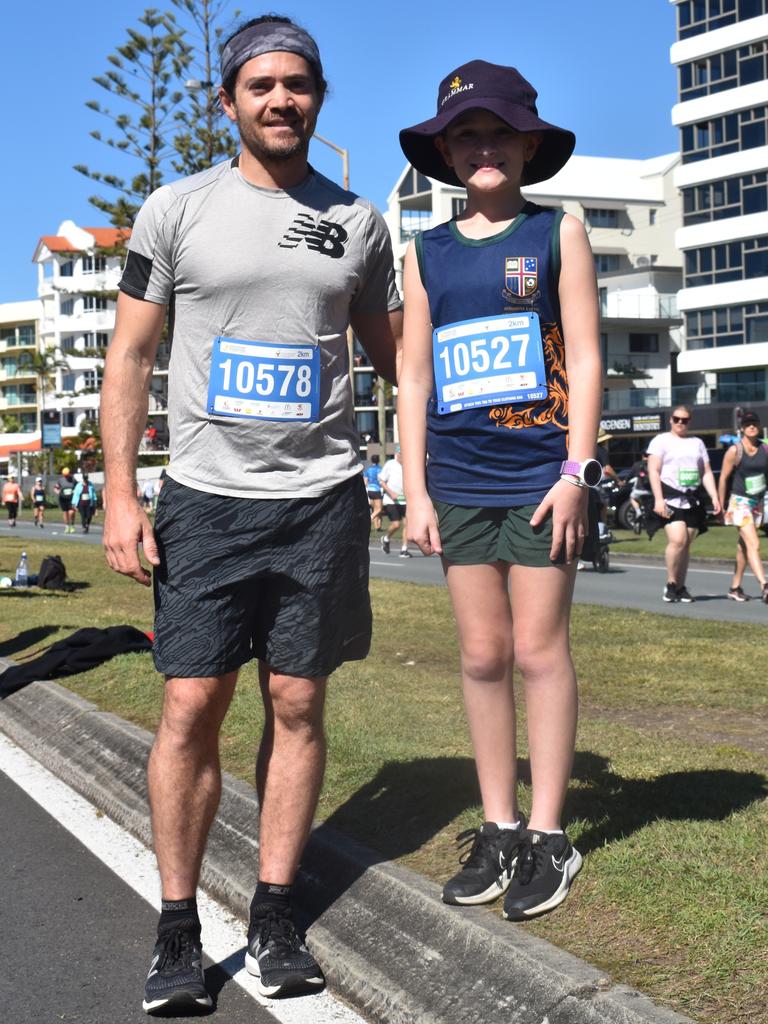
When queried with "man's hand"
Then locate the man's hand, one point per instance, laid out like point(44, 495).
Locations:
point(126, 526)
point(422, 527)
point(567, 504)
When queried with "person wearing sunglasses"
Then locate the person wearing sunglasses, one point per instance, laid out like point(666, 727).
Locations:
point(679, 474)
point(745, 468)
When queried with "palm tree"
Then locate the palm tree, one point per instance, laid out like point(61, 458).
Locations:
point(43, 364)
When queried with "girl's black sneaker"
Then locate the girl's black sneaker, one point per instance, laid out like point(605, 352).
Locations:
point(486, 866)
point(546, 866)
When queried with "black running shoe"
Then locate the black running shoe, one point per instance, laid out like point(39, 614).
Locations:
point(176, 982)
point(684, 596)
point(279, 959)
point(487, 864)
point(670, 593)
point(546, 866)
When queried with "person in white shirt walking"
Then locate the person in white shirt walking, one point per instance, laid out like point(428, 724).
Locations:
point(393, 498)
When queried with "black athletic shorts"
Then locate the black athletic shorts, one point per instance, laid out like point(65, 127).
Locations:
point(282, 580)
point(65, 504)
point(395, 513)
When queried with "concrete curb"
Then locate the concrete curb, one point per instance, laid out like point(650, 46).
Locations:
point(695, 563)
point(388, 944)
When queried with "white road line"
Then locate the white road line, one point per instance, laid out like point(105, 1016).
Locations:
point(663, 568)
point(223, 934)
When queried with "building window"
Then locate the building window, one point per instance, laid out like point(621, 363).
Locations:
point(741, 386)
point(606, 262)
point(651, 217)
point(458, 205)
point(643, 343)
point(604, 349)
point(17, 337)
point(414, 183)
point(413, 221)
point(726, 70)
point(95, 339)
point(94, 303)
point(730, 133)
point(68, 418)
point(729, 261)
point(727, 325)
point(67, 307)
point(733, 197)
point(67, 268)
point(94, 264)
point(696, 16)
point(598, 218)
point(67, 382)
point(68, 343)
point(91, 380)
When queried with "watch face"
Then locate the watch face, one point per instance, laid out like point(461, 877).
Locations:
point(591, 472)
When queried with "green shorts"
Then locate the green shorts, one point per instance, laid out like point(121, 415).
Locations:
point(482, 536)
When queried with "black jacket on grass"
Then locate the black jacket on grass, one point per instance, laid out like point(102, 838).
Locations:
point(85, 649)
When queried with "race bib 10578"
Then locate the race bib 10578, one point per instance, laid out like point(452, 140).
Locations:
point(264, 381)
point(495, 360)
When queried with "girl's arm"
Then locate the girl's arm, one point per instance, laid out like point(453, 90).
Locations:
point(581, 320)
point(413, 391)
point(725, 474)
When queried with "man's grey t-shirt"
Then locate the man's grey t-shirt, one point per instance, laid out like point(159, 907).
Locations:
point(286, 267)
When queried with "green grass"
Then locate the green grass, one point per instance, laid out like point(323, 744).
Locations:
point(717, 542)
point(673, 892)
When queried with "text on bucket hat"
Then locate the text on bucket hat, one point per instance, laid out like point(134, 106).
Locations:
point(503, 91)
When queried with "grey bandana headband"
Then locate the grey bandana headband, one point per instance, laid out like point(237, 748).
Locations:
point(268, 37)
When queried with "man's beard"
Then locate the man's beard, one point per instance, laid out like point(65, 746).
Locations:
point(276, 150)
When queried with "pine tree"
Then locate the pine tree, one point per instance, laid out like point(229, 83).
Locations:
point(144, 80)
point(203, 136)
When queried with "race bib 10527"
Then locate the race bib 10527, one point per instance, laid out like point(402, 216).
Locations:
point(495, 360)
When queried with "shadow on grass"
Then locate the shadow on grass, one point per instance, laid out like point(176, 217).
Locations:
point(27, 638)
point(408, 803)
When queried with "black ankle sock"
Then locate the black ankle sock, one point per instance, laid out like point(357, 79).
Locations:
point(173, 911)
point(270, 897)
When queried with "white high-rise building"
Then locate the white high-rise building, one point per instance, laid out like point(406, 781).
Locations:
point(721, 55)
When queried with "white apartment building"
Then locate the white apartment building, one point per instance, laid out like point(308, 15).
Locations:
point(630, 209)
point(721, 56)
point(19, 398)
point(78, 274)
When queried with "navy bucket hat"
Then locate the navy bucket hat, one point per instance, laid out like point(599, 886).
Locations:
point(479, 85)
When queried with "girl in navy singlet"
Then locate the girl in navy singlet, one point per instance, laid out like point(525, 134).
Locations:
point(498, 405)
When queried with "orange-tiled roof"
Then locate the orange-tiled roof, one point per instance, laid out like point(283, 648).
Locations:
point(33, 445)
point(107, 237)
point(58, 243)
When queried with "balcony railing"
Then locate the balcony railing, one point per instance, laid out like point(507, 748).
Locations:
point(685, 394)
point(639, 306)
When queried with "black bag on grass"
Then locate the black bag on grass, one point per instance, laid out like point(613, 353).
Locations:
point(53, 574)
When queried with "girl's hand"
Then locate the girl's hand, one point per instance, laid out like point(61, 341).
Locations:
point(567, 505)
point(661, 510)
point(422, 526)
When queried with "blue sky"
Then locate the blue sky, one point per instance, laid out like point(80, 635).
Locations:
point(601, 68)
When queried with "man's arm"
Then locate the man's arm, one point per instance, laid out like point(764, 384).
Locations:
point(124, 404)
point(381, 335)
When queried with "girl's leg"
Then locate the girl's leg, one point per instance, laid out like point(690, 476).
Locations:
point(750, 541)
point(676, 553)
point(481, 607)
point(541, 605)
point(741, 563)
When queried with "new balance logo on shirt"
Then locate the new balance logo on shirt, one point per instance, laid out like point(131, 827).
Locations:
point(324, 236)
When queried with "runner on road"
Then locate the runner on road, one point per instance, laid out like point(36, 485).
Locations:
point(260, 544)
point(64, 490)
point(745, 469)
point(372, 474)
point(12, 498)
point(37, 496)
point(497, 303)
point(393, 499)
point(680, 476)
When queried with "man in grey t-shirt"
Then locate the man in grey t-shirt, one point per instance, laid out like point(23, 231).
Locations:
point(260, 545)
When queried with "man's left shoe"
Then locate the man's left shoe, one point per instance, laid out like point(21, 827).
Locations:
point(278, 958)
point(405, 553)
point(176, 983)
point(546, 866)
point(684, 596)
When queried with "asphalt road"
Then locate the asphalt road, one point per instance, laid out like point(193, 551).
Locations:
point(78, 922)
point(627, 585)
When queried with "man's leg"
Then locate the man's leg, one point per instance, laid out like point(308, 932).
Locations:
point(185, 777)
point(289, 774)
point(289, 770)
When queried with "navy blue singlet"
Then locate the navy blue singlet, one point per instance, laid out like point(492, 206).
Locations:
point(504, 455)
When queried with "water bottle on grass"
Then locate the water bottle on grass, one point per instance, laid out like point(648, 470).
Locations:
point(22, 571)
